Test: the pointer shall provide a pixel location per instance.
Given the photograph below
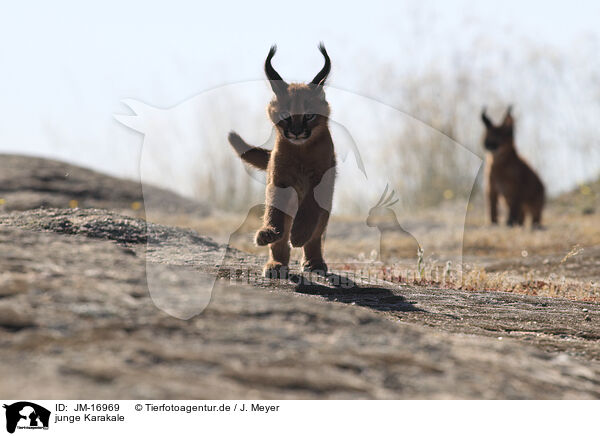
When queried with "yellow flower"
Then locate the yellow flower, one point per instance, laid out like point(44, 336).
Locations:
point(136, 205)
point(73, 204)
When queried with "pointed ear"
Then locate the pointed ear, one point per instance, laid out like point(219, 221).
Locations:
point(319, 79)
point(486, 120)
point(318, 89)
point(278, 85)
point(508, 118)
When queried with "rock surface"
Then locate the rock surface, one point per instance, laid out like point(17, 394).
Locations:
point(76, 321)
point(28, 182)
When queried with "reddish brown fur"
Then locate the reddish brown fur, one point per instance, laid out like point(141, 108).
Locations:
point(300, 171)
point(509, 176)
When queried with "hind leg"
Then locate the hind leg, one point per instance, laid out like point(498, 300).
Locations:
point(515, 213)
point(537, 217)
point(492, 196)
point(313, 249)
point(305, 222)
point(521, 220)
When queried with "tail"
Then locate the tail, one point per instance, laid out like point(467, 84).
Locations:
point(255, 156)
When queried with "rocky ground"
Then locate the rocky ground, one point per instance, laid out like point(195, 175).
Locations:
point(77, 321)
point(28, 182)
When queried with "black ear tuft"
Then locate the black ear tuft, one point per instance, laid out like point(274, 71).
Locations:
point(509, 121)
point(277, 83)
point(486, 120)
point(319, 79)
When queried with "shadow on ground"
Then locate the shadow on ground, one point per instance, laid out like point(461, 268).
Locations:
point(345, 290)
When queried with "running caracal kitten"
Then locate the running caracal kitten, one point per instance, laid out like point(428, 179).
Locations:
point(509, 176)
point(300, 170)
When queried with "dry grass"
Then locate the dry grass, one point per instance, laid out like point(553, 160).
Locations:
point(345, 239)
point(530, 284)
point(476, 279)
point(562, 232)
point(559, 261)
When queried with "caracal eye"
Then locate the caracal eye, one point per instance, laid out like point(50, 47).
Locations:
point(284, 115)
point(309, 117)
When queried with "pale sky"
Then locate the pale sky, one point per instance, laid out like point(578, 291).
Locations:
point(67, 65)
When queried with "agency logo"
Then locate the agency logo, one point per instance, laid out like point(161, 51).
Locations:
point(24, 415)
point(184, 145)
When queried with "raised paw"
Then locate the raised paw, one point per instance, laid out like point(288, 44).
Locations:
point(266, 236)
point(275, 270)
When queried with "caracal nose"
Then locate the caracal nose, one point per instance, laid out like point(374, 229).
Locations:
point(296, 128)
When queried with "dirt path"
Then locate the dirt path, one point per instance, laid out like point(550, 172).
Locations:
point(76, 321)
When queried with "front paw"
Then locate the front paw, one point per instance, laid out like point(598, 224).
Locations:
point(315, 265)
point(266, 236)
point(275, 270)
point(300, 234)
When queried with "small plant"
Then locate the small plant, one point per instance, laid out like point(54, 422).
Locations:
point(420, 264)
point(447, 272)
point(574, 252)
